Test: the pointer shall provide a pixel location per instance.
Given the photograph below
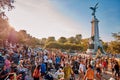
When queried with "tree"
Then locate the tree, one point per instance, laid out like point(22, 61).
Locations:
point(116, 36)
point(84, 44)
point(105, 46)
point(22, 36)
point(78, 38)
point(114, 47)
point(53, 45)
point(43, 42)
point(62, 40)
point(12, 37)
point(34, 42)
point(67, 46)
point(5, 5)
point(5, 29)
point(50, 39)
point(71, 40)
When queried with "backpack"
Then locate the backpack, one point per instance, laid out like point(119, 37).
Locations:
point(36, 73)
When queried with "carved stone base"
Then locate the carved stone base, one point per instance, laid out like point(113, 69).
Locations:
point(90, 51)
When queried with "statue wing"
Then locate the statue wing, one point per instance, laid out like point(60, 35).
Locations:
point(92, 8)
point(96, 5)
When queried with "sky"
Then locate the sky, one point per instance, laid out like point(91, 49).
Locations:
point(66, 18)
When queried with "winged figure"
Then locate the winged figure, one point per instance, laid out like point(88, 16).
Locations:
point(94, 9)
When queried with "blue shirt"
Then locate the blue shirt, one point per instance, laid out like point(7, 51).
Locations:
point(58, 60)
point(43, 68)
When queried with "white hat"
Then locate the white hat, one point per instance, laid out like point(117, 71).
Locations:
point(60, 68)
point(111, 78)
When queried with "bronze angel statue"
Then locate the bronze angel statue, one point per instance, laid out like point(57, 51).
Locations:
point(94, 9)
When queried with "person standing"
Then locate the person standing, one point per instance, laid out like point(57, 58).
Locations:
point(98, 72)
point(8, 64)
point(82, 70)
point(45, 58)
point(116, 68)
point(89, 74)
point(36, 73)
point(43, 69)
point(59, 74)
point(57, 62)
point(67, 71)
point(3, 73)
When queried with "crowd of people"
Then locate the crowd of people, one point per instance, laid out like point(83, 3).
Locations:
point(19, 62)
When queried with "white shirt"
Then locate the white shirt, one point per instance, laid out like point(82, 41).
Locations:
point(59, 75)
point(50, 61)
point(45, 58)
point(82, 68)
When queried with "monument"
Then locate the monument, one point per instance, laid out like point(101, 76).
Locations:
point(94, 41)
